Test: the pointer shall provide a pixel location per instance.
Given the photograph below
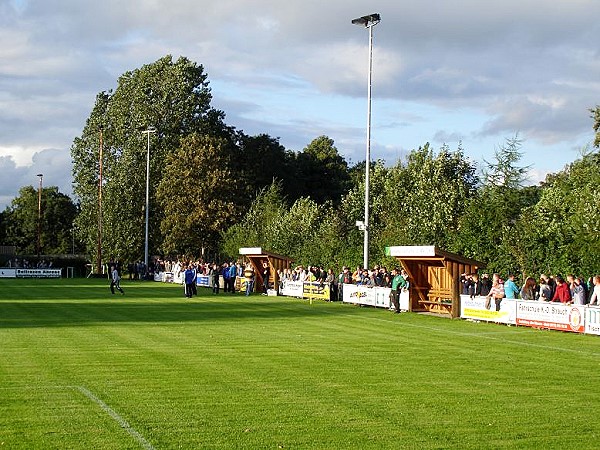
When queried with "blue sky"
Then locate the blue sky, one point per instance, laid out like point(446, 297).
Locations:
point(443, 72)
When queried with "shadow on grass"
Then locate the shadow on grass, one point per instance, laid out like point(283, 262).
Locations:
point(61, 313)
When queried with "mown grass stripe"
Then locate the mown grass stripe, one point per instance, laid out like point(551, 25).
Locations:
point(113, 414)
point(493, 337)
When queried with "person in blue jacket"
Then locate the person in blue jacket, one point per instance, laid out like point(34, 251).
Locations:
point(189, 278)
point(232, 276)
point(225, 273)
point(511, 291)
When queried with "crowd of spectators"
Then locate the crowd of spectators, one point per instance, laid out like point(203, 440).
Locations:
point(188, 270)
point(571, 290)
point(231, 270)
point(17, 263)
point(378, 276)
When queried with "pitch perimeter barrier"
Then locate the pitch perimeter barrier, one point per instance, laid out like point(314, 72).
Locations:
point(553, 316)
point(378, 297)
point(8, 273)
point(592, 320)
point(201, 280)
point(30, 273)
point(535, 314)
point(292, 288)
point(305, 289)
point(475, 308)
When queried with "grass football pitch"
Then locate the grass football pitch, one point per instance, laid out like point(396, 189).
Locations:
point(83, 369)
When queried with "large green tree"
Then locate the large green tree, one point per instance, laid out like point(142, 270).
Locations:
point(487, 229)
point(262, 160)
point(258, 226)
point(171, 96)
point(58, 213)
point(273, 225)
point(559, 234)
point(199, 196)
point(596, 116)
point(431, 192)
point(323, 173)
point(318, 171)
point(417, 202)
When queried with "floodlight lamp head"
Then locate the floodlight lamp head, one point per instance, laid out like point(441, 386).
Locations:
point(367, 21)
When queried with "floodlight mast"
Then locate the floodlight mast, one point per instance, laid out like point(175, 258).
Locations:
point(150, 129)
point(39, 224)
point(369, 22)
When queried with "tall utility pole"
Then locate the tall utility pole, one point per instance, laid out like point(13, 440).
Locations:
point(147, 132)
point(368, 22)
point(99, 249)
point(39, 224)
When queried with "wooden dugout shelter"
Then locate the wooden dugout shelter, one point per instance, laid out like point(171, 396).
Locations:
point(434, 277)
point(256, 256)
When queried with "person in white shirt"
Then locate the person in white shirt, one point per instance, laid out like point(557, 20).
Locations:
point(595, 298)
point(115, 280)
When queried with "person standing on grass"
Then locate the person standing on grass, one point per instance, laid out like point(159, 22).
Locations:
point(214, 275)
point(189, 281)
point(194, 268)
point(398, 283)
point(265, 276)
point(249, 275)
point(115, 280)
point(232, 276)
point(545, 289)
point(225, 273)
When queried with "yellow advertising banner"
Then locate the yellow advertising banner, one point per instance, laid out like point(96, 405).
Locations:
point(316, 290)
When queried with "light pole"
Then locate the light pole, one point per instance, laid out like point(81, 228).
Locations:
point(99, 240)
point(368, 22)
point(147, 132)
point(39, 227)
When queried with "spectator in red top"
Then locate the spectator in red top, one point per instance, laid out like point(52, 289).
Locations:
point(562, 293)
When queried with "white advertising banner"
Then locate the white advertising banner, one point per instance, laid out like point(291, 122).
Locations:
point(476, 308)
point(292, 288)
point(39, 273)
point(553, 316)
point(404, 300)
point(592, 320)
point(357, 295)
point(166, 277)
point(411, 250)
point(382, 297)
point(372, 296)
point(8, 273)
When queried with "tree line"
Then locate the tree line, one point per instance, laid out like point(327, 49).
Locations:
point(214, 189)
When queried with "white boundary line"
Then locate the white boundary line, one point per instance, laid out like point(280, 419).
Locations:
point(107, 409)
point(112, 413)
